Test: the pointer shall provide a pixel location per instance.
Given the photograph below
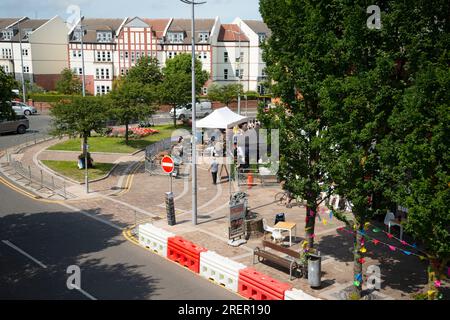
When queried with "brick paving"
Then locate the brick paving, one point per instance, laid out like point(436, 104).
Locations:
point(145, 201)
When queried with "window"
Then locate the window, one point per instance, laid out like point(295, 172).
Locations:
point(99, 58)
point(74, 54)
point(204, 37)
point(264, 73)
point(132, 56)
point(171, 55)
point(225, 74)
point(241, 58)
point(5, 68)
point(225, 57)
point(262, 37)
point(104, 36)
point(7, 34)
point(137, 55)
point(103, 56)
point(6, 53)
point(102, 90)
point(122, 72)
point(80, 53)
point(205, 55)
point(102, 74)
point(204, 91)
point(26, 69)
point(108, 56)
point(27, 33)
point(127, 54)
point(80, 71)
point(239, 73)
point(176, 37)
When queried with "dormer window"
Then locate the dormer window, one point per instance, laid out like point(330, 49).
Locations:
point(176, 37)
point(262, 37)
point(7, 34)
point(204, 37)
point(77, 35)
point(104, 36)
point(26, 33)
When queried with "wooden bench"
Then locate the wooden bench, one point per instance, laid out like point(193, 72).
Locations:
point(263, 254)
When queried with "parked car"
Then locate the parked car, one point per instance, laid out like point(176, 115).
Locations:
point(22, 109)
point(204, 108)
point(19, 125)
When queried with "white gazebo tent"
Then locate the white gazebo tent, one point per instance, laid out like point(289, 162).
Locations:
point(222, 118)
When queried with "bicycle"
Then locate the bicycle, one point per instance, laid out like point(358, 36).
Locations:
point(282, 198)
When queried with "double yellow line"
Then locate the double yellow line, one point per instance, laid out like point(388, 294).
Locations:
point(129, 181)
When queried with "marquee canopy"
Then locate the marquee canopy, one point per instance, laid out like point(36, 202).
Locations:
point(222, 118)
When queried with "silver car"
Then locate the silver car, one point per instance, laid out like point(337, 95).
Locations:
point(20, 125)
point(21, 109)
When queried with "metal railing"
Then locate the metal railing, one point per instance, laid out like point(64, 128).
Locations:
point(36, 178)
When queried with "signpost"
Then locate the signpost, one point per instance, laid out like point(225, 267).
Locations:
point(236, 228)
point(168, 166)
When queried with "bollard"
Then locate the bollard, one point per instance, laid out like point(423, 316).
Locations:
point(170, 209)
point(314, 270)
point(29, 173)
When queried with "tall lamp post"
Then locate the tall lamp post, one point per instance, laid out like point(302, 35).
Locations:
point(194, 117)
point(239, 65)
point(83, 80)
point(24, 89)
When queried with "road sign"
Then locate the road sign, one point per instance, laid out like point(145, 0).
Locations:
point(167, 164)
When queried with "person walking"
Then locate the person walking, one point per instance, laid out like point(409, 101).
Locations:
point(214, 168)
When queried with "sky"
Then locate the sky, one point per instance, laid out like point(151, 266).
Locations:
point(227, 10)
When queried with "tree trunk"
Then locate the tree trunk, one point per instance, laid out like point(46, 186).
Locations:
point(357, 265)
point(435, 271)
point(126, 133)
point(310, 225)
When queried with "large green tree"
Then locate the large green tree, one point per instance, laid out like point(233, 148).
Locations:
point(418, 158)
point(176, 88)
point(7, 84)
point(129, 101)
point(78, 117)
point(226, 93)
point(69, 83)
point(146, 71)
point(299, 55)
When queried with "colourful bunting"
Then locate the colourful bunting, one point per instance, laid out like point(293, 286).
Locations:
point(356, 283)
point(363, 250)
point(361, 260)
point(375, 241)
point(403, 242)
point(390, 236)
point(331, 214)
point(437, 283)
point(376, 230)
point(406, 252)
point(340, 229)
point(358, 277)
point(312, 236)
point(392, 248)
point(366, 226)
point(325, 222)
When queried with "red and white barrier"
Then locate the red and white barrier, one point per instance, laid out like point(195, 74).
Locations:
point(154, 238)
point(296, 294)
point(255, 285)
point(221, 270)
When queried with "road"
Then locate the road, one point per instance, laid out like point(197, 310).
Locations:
point(39, 241)
point(39, 126)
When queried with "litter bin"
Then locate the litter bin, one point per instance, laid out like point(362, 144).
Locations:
point(314, 270)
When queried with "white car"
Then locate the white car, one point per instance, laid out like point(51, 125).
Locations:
point(21, 109)
point(185, 111)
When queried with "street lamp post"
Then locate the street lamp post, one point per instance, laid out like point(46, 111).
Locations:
point(194, 116)
point(83, 80)
point(24, 94)
point(239, 60)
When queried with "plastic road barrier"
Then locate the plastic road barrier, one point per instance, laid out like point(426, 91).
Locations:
point(154, 238)
point(221, 270)
point(296, 294)
point(185, 253)
point(257, 286)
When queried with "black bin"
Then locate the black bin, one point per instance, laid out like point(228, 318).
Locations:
point(280, 217)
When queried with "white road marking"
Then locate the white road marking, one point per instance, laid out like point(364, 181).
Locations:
point(84, 292)
point(9, 244)
point(92, 216)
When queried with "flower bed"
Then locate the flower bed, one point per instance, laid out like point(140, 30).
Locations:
point(136, 133)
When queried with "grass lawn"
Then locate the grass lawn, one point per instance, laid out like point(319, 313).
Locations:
point(117, 145)
point(70, 169)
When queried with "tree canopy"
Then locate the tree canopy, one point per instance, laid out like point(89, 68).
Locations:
point(224, 93)
point(7, 84)
point(69, 83)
